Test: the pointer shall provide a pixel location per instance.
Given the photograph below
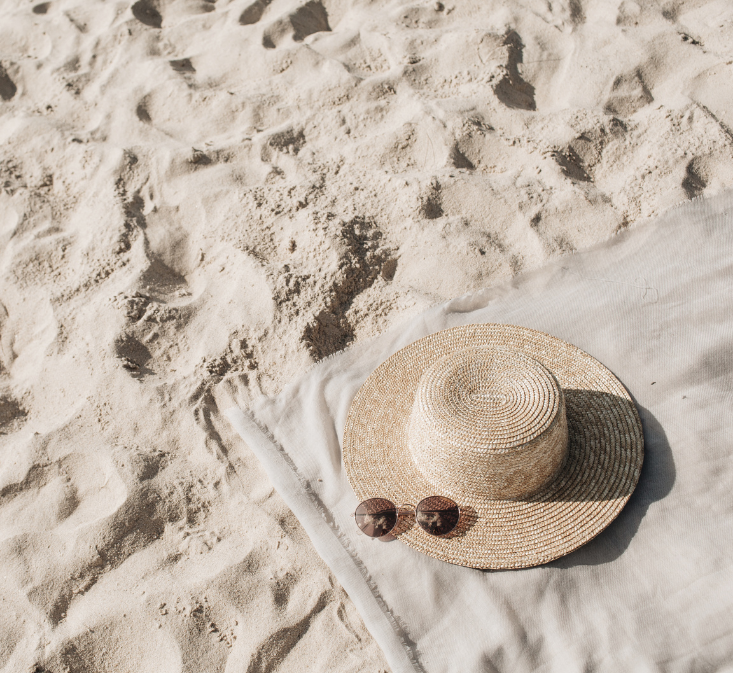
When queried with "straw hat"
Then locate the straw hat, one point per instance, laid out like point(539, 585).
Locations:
point(538, 443)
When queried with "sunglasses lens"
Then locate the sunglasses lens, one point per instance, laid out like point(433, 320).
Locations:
point(437, 515)
point(376, 517)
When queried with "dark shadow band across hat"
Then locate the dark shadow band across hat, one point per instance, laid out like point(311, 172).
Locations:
point(538, 443)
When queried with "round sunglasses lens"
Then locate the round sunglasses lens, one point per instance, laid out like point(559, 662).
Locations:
point(437, 515)
point(376, 517)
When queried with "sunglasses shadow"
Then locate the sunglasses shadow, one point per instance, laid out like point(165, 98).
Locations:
point(406, 521)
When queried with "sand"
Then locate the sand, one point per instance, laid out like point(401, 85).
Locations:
point(201, 199)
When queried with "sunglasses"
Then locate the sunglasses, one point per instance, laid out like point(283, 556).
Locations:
point(435, 514)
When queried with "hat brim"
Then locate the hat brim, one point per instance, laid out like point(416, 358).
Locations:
point(606, 451)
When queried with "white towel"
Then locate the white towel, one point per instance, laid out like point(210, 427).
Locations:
point(654, 591)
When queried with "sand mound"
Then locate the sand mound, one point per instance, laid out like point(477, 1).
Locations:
point(196, 192)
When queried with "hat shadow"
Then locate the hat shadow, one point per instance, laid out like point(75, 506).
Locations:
point(656, 480)
point(587, 410)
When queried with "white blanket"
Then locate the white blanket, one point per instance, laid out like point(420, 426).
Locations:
point(653, 592)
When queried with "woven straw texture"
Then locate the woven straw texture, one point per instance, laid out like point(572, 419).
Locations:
point(500, 411)
point(556, 420)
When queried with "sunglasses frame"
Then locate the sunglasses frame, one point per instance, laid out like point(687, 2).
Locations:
point(414, 508)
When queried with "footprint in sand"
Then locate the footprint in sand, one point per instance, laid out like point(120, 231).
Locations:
point(12, 415)
point(8, 89)
point(253, 13)
point(306, 20)
point(133, 355)
point(506, 53)
point(147, 13)
point(697, 176)
point(182, 65)
point(629, 93)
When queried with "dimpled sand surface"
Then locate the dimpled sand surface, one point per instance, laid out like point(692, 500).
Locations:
point(195, 192)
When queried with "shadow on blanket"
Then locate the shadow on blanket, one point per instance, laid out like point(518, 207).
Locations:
point(656, 481)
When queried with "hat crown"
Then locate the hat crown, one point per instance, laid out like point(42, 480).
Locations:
point(488, 420)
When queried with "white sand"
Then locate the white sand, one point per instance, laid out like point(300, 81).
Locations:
point(195, 192)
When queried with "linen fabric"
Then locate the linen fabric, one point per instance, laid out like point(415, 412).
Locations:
point(654, 591)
